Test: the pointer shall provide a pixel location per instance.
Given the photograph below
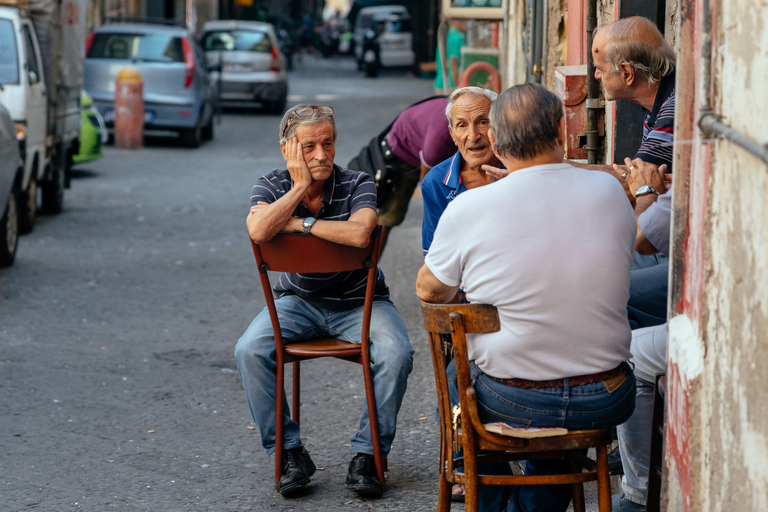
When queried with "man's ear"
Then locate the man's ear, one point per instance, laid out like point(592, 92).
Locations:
point(282, 150)
point(627, 73)
point(492, 140)
point(561, 131)
point(450, 130)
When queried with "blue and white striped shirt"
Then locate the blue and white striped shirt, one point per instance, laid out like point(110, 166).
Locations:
point(344, 193)
point(657, 146)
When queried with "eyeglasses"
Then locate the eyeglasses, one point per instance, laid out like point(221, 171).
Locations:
point(323, 110)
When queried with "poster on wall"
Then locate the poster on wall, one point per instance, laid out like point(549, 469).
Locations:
point(474, 9)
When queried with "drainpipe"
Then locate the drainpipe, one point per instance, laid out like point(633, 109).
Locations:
point(709, 121)
point(594, 104)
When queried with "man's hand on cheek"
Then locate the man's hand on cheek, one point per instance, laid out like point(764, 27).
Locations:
point(294, 157)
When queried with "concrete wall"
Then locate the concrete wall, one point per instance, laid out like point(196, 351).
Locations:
point(717, 440)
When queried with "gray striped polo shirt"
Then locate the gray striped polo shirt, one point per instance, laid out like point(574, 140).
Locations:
point(344, 193)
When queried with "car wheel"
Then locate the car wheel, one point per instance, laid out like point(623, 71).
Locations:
point(192, 137)
point(278, 106)
point(53, 193)
point(372, 69)
point(208, 130)
point(28, 207)
point(9, 230)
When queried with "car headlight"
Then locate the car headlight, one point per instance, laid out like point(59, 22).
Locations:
point(21, 131)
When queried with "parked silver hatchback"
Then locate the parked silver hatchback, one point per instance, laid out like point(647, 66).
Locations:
point(251, 63)
point(178, 92)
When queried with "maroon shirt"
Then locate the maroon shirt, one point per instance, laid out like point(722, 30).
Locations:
point(420, 134)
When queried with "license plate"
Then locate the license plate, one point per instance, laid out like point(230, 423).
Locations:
point(109, 116)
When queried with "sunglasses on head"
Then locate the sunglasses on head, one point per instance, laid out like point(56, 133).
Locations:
point(323, 110)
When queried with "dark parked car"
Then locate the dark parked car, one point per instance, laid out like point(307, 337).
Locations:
point(10, 189)
point(178, 92)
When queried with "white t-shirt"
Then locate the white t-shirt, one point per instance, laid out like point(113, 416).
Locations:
point(551, 247)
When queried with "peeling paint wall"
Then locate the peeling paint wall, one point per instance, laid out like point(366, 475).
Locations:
point(556, 43)
point(717, 439)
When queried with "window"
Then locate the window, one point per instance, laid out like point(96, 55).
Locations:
point(144, 47)
point(29, 48)
point(9, 57)
point(237, 40)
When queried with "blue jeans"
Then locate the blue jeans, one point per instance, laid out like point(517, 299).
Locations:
point(590, 406)
point(648, 284)
point(391, 362)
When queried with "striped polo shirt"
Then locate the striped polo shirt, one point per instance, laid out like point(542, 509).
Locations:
point(344, 193)
point(659, 126)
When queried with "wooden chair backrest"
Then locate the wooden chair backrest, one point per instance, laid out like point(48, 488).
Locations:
point(293, 252)
point(299, 253)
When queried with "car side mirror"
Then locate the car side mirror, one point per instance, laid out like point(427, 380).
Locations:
point(33, 78)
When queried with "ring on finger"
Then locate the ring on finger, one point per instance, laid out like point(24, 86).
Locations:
point(632, 168)
point(624, 175)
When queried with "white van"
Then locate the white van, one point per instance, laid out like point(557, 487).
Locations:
point(42, 93)
point(395, 40)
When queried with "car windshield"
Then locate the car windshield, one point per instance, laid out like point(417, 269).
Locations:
point(398, 26)
point(237, 40)
point(144, 47)
point(9, 63)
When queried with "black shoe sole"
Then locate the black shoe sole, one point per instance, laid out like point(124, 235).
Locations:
point(366, 490)
point(293, 487)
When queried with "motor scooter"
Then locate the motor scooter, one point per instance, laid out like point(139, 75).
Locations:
point(371, 62)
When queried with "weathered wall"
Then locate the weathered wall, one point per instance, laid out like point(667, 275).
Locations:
point(717, 440)
point(515, 55)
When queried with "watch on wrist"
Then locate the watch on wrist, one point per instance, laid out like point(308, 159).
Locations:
point(307, 224)
point(646, 189)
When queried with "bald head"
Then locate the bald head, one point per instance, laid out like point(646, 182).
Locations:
point(637, 42)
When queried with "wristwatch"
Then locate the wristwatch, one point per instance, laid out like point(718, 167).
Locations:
point(307, 224)
point(645, 189)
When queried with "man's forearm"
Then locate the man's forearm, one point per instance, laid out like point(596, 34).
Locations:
point(266, 220)
point(355, 231)
point(642, 244)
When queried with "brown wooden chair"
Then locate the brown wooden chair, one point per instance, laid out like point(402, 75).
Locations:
point(448, 325)
point(308, 254)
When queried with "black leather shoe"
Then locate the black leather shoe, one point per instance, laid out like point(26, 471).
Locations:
point(297, 467)
point(362, 478)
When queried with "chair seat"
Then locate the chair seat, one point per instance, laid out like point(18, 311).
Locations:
point(323, 347)
point(573, 440)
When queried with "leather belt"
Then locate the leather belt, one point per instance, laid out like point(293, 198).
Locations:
point(579, 380)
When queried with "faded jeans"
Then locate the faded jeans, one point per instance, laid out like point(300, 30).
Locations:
point(649, 356)
point(391, 363)
point(648, 286)
point(589, 406)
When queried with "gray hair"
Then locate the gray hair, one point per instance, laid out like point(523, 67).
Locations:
point(461, 91)
point(296, 121)
point(525, 121)
point(651, 56)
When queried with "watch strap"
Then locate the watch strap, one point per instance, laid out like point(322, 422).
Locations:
point(646, 189)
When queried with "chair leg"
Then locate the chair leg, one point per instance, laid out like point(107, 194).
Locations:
point(296, 390)
point(603, 479)
point(373, 423)
point(471, 484)
point(279, 425)
point(577, 490)
point(444, 492)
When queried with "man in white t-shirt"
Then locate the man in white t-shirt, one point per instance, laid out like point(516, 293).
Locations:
point(550, 246)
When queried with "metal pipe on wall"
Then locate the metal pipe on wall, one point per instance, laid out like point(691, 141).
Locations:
point(594, 105)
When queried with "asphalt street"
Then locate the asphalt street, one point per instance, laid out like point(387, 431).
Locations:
point(118, 385)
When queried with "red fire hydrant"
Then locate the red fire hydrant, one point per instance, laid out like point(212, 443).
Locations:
point(129, 110)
